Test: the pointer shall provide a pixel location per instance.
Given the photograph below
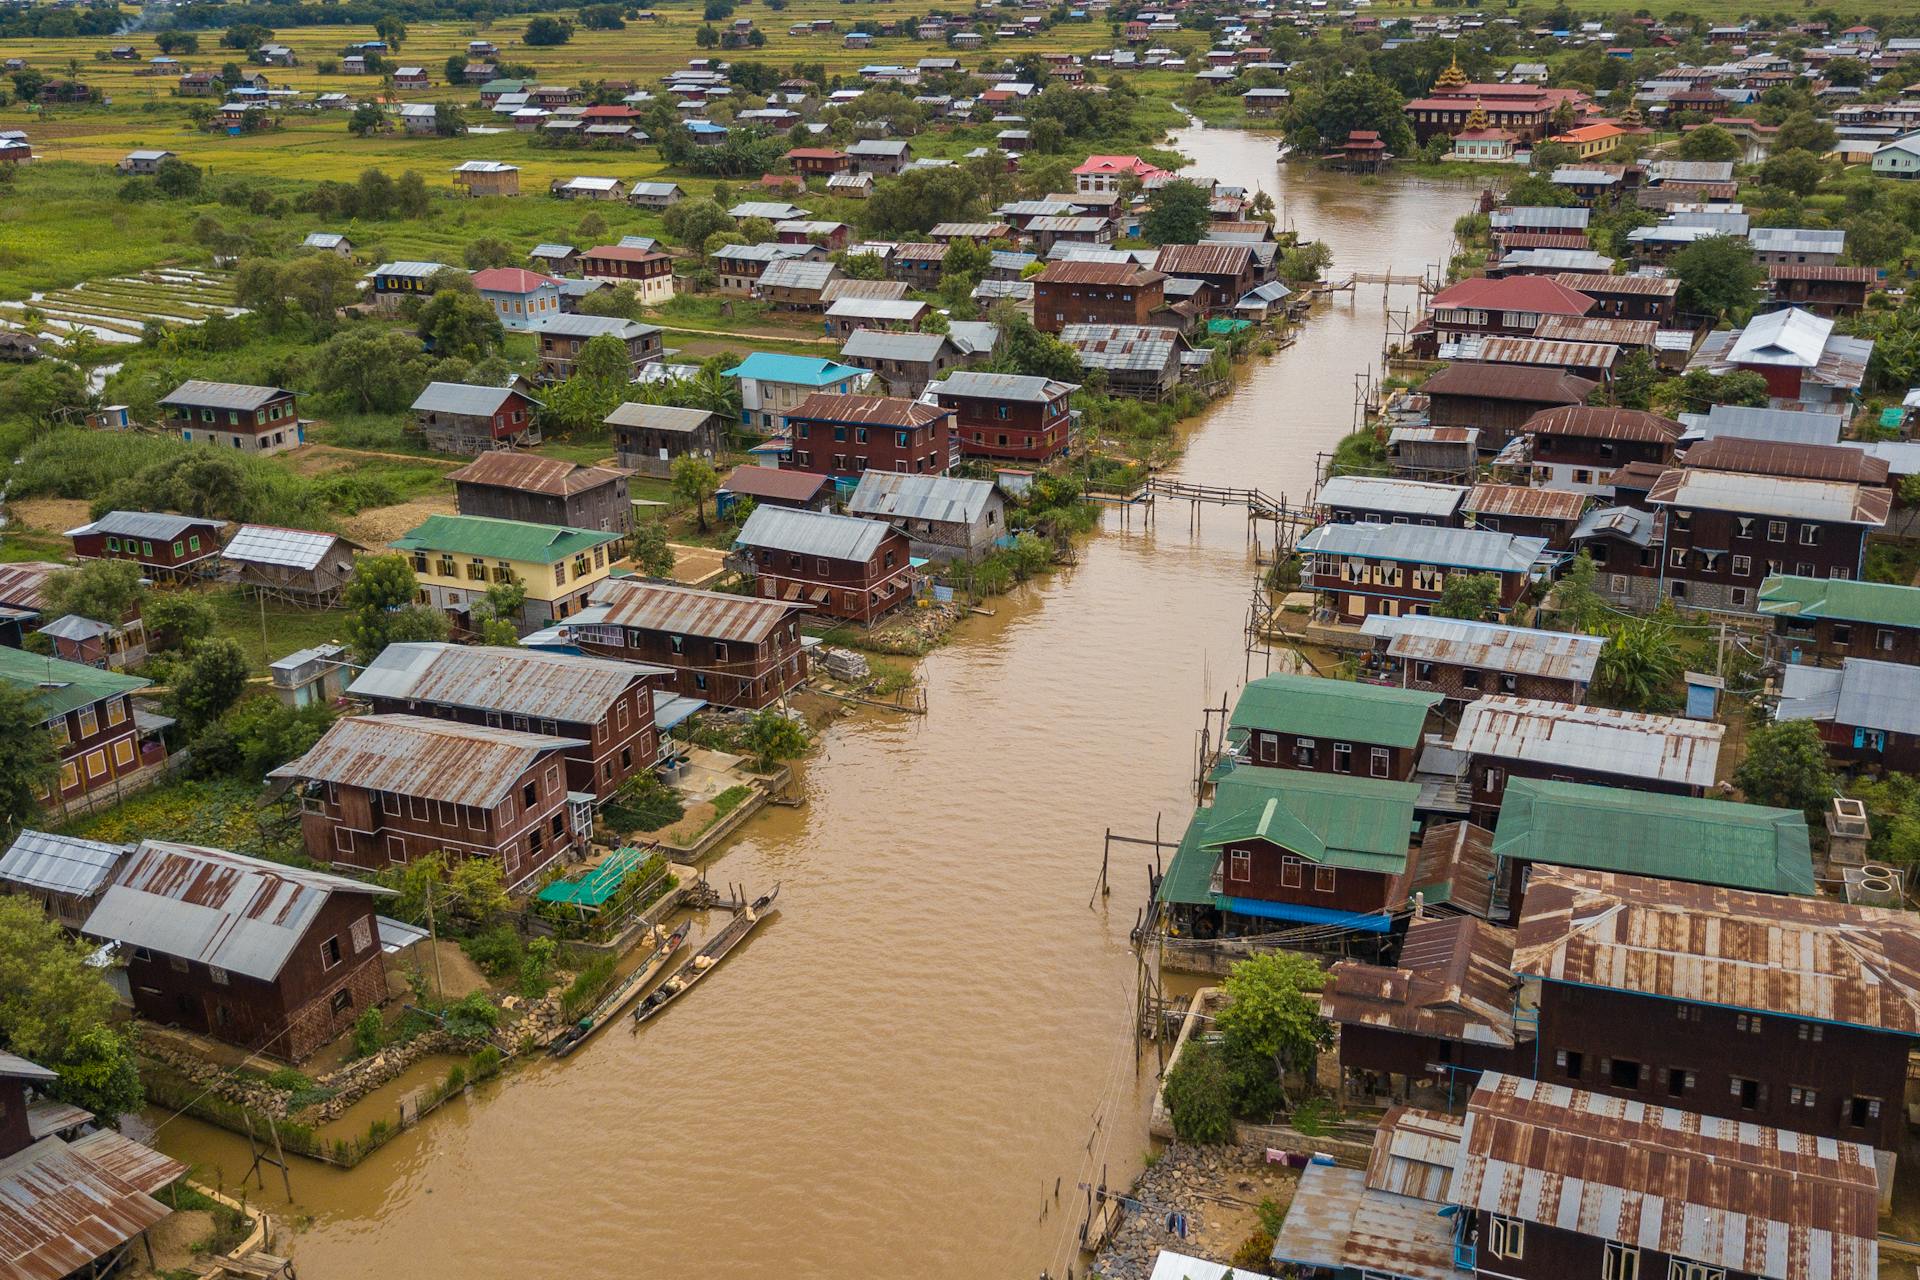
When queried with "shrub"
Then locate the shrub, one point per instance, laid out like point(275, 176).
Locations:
point(536, 968)
point(587, 986)
point(472, 1017)
point(1255, 1251)
point(644, 803)
point(368, 1033)
point(1199, 1094)
point(497, 951)
point(486, 1063)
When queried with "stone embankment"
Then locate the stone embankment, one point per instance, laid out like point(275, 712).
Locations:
point(1217, 1191)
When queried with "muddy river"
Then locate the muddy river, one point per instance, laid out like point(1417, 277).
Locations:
point(889, 1079)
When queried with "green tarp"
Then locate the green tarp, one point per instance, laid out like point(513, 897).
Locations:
point(596, 885)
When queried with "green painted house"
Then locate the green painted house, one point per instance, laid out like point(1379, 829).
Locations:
point(1665, 837)
point(1285, 849)
point(1825, 621)
point(1329, 726)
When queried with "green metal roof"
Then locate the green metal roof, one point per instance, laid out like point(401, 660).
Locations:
point(1847, 599)
point(593, 887)
point(1342, 709)
point(60, 686)
point(1740, 846)
point(1189, 877)
point(501, 539)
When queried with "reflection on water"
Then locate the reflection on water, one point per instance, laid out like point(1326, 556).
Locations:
point(892, 1081)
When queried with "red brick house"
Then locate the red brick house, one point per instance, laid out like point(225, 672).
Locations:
point(164, 545)
point(1007, 416)
point(842, 436)
point(606, 706)
point(857, 570)
point(379, 791)
point(276, 959)
point(725, 649)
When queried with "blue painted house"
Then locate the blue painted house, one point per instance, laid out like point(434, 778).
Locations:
point(520, 298)
point(771, 385)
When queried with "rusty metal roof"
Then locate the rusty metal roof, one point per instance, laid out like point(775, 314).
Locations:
point(1535, 351)
point(140, 1166)
point(1487, 381)
point(526, 682)
point(1080, 271)
point(1632, 744)
point(1781, 458)
point(1609, 329)
point(1204, 259)
point(869, 411)
point(1520, 500)
point(1591, 422)
point(1337, 1221)
point(1784, 1206)
point(443, 760)
point(1453, 982)
point(533, 473)
point(1414, 1153)
point(48, 1116)
point(59, 1211)
point(221, 909)
point(1593, 282)
point(659, 606)
point(1492, 646)
point(22, 582)
point(1453, 867)
point(1801, 957)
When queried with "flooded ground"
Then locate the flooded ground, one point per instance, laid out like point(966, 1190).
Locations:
point(891, 1078)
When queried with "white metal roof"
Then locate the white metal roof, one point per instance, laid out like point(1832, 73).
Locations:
point(898, 495)
point(1791, 337)
point(60, 864)
point(1862, 693)
point(812, 533)
point(1826, 500)
point(541, 685)
point(1427, 544)
point(268, 544)
point(1627, 744)
point(1385, 493)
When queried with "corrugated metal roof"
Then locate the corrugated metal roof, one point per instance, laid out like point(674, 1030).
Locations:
point(1690, 171)
point(872, 307)
point(796, 273)
point(1702, 841)
point(1391, 495)
point(1643, 285)
point(1847, 599)
point(59, 1211)
point(222, 395)
point(61, 864)
point(1204, 259)
point(876, 411)
point(877, 344)
point(1604, 329)
point(1863, 693)
point(1597, 423)
point(217, 908)
point(1632, 744)
point(584, 326)
point(58, 686)
point(21, 583)
point(1791, 337)
point(1523, 501)
point(1784, 1206)
point(677, 610)
point(1556, 655)
point(46, 1116)
point(1539, 217)
point(466, 764)
point(15, 1067)
point(1452, 982)
point(1345, 709)
point(139, 1166)
point(1337, 1222)
point(502, 539)
point(1135, 348)
point(145, 524)
point(1792, 426)
point(1425, 544)
point(1090, 271)
point(1338, 820)
point(462, 398)
point(1795, 461)
point(1803, 957)
point(653, 417)
point(1797, 240)
point(1454, 865)
point(289, 548)
point(535, 473)
point(1832, 501)
point(894, 495)
point(1000, 386)
point(813, 533)
point(1510, 382)
point(753, 481)
point(528, 682)
point(1414, 1153)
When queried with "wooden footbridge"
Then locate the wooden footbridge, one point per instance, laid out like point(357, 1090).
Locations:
point(1289, 519)
point(1425, 283)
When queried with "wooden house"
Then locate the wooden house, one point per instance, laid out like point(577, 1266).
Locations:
point(1577, 448)
point(819, 162)
point(1549, 514)
point(1433, 453)
point(1282, 849)
point(1506, 737)
point(1825, 621)
point(1389, 500)
point(649, 437)
point(455, 417)
point(605, 707)
point(1225, 271)
point(1364, 569)
point(1142, 362)
point(1327, 726)
point(848, 568)
point(1005, 416)
point(1863, 710)
point(487, 178)
point(561, 338)
point(508, 485)
point(717, 647)
point(944, 517)
point(795, 284)
point(21, 601)
point(104, 749)
point(65, 874)
point(378, 791)
point(845, 436)
point(300, 565)
point(772, 385)
point(647, 271)
point(94, 642)
point(1073, 292)
point(1463, 660)
point(277, 959)
point(165, 546)
point(1499, 399)
point(259, 420)
point(1824, 290)
point(773, 486)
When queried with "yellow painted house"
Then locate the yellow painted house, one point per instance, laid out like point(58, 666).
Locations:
point(1591, 140)
point(456, 558)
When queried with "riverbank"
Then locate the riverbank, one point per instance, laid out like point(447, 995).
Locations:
point(1220, 1203)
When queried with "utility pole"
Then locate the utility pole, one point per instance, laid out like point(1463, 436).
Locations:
point(433, 940)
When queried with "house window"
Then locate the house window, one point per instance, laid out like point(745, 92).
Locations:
point(1343, 757)
point(1239, 865)
point(529, 795)
point(1742, 566)
point(123, 752)
point(1679, 1082)
point(1269, 749)
point(342, 1001)
point(1799, 1097)
point(1812, 1031)
point(1681, 1269)
point(1751, 1093)
point(1862, 1111)
point(1749, 1023)
point(117, 709)
point(96, 763)
point(1290, 871)
point(89, 722)
point(330, 952)
point(1624, 1073)
point(1323, 879)
point(1776, 531)
point(1809, 535)
point(1620, 1262)
point(1378, 766)
point(1506, 1237)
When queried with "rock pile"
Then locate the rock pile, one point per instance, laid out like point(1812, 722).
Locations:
point(1214, 1189)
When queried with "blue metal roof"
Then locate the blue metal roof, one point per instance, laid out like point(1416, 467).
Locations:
point(809, 371)
point(1365, 923)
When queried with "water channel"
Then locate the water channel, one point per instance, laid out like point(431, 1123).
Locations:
point(889, 1079)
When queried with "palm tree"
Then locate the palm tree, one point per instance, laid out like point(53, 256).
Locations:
point(1640, 665)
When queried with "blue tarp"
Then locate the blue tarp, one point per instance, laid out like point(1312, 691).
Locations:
point(1305, 915)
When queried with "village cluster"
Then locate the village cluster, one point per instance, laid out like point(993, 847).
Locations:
point(1613, 971)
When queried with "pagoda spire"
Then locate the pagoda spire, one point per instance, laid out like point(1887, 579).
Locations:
point(1477, 118)
point(1453, 79)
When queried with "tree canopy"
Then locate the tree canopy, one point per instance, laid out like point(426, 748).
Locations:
point(1323, 116)
point(1718, 277)
point(55, 1009)
point(1786, 765)
point(1177, 213)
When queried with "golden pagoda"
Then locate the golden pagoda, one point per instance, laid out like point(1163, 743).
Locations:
point(1632, 118)
point(1477, 118)
point(1453, 79)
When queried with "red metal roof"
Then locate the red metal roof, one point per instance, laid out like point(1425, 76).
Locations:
point(1539, 294)
point(510, 280)
point(766, 482)
point(624, 253)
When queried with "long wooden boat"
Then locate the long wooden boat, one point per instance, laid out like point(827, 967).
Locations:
point(615, 1000)
point(707, 958)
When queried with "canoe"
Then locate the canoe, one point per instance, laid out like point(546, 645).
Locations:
point(615, 1000)
point(707, 959)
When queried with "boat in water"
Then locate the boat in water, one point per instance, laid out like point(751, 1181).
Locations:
point(708, 958)
point(625, 990)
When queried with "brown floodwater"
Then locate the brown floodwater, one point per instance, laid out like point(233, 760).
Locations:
point(889, 1079)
